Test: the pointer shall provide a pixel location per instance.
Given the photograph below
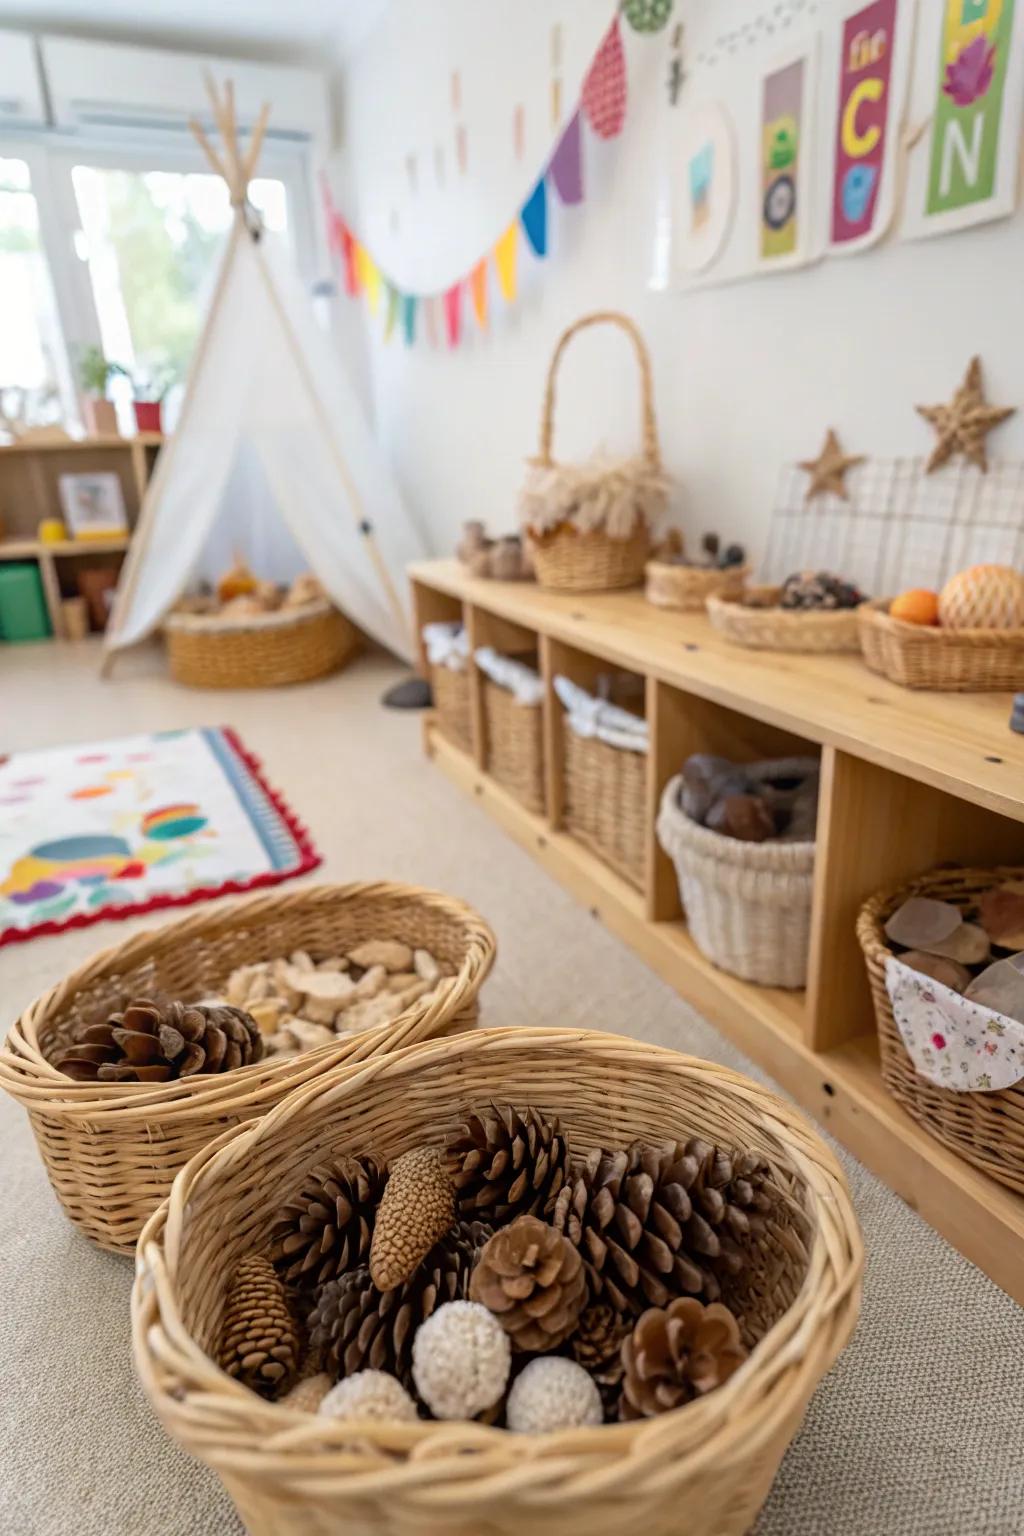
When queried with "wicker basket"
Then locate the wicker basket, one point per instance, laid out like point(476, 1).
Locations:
point(925, 656)
point(784, 629)
point(514, 745)
point(748, 905)
point(266, 651)
point(605, 802)
point(688, 587)
point(293, 1474)
point(567, 559)
point(111, 1149)
point(451, 705)
point(986, 1129)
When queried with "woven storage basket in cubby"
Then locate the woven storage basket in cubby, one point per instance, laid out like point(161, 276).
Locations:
point(953, 660)
point(514, 745)
point(784, 629)
point(112, 1149)
point(293, 1474)
point(747, 905)
point(451, 705)
point(262, 651)
point(986, 1129)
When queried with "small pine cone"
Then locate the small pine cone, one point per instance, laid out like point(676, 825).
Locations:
point(354, 1326)
point(326, 1228)
point(153, 1043)
point(597, 1343)
point(259, 1343)
point(417, 1208)
point(676, 1354)
point(506, 1164)
point(532, 1279)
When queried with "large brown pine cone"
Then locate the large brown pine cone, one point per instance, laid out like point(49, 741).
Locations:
point(532, 1279)
point(259, 1343)
point(354, 1327)
point(153, 1043)
point(676, 1354)
point(506, 1163)
point(326, 1228)
point(654, 1222)
point(417, 1208)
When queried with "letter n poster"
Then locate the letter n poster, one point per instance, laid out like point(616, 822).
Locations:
point(873, 69)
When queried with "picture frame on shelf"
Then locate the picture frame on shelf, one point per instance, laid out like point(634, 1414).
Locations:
point(93, 505)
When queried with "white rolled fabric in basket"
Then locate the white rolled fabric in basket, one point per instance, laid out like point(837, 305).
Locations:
point(521, 681)
point(588, 716)
point(447, 645)
point(747, 905)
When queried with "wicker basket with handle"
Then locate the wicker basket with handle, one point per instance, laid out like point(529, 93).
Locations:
point(925, 656)
point(584, 552)
point(111, 1149)
point(262, 651)
point(986, 1129)
point(292, 1474)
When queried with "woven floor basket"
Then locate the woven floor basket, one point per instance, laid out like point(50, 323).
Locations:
point(451, 705)
point(111, 1150)
point(514, 745)
point(784, 629)
point(925, 656)
point(688, 587)
point(284, 647)
point(705, 1468)
point(747, 905)
point(605, 802)
point(986, 1129)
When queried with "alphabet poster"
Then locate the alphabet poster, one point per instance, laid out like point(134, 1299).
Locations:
point(967, 171)
point(874, 54)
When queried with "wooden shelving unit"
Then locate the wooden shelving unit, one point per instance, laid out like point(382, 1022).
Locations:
point(29, 493)
point(909, 780)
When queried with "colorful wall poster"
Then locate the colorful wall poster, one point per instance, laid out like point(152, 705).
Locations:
point(868, 116)
point(783, 125)
point(974, 145)
point(704, 185)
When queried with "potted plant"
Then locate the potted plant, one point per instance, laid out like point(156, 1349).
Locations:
point(149, 390)
point(94, 374)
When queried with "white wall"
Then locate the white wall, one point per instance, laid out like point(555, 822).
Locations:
point(747, 376)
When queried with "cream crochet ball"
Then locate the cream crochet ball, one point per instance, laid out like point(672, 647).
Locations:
point(552, 1393)
point(369, 1395)
point(460, 1360)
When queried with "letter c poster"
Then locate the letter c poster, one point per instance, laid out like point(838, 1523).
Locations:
point(868, 118)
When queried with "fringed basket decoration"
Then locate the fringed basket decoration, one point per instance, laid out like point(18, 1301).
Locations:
point(590, 524)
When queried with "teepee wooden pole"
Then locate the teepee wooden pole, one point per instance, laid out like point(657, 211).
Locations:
point(256, 143)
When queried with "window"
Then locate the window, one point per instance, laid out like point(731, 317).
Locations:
point(31, 346)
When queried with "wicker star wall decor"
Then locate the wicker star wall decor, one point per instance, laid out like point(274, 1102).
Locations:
point(828, 471)
point(963, 425)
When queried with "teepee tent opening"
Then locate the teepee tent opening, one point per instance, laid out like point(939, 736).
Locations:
point(265, 382)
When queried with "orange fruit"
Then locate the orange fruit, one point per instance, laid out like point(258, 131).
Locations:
point(916, 606)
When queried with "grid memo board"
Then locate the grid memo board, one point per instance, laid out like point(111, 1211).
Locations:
point(900, 528)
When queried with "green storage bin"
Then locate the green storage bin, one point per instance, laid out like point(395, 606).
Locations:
point(22, 605)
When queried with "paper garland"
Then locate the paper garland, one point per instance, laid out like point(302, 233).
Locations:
point(603, 103)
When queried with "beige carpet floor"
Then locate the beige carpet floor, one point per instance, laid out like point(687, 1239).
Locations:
point(919, 1430)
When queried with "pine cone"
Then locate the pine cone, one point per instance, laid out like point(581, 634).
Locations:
point(676, 1354)
point(326, 1228)
point(417, 1208)
point(506, 1164)
point(354, 1326)
point(597, 1343)
point(259, 1342)
point(532, 1279)
point(656, 1222)
point(153, 1043)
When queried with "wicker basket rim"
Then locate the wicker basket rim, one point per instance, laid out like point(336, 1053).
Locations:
point(880, 905)
point(657, 567)
point(831, 1285)
point(278, 618)
point(735, 606)
point(592, 535)
point(29, 1077)
point(875, 612)
point(675, 827)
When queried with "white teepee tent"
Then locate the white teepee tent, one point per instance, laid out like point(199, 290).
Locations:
point(265, 378)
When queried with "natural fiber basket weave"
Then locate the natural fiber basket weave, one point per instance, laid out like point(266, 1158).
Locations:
point(688, 587)
point(264, 651)
point(605, 802)
point(567, 561)
point(705, 1468)
point(451, 705)
point(748, 905)
point(514, 745)
point(784, 629)
point(986, 1129)
point(112, 1149)
point(926, 656)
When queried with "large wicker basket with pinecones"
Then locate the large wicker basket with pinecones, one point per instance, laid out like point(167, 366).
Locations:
point(592, 1238)
point(112, 1147)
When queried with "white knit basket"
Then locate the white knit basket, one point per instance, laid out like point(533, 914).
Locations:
point(748, 905)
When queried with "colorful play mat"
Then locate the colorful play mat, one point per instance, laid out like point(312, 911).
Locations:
point(124, 827)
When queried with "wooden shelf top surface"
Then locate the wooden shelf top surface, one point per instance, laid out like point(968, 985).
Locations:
point(958, 742)
point(31, 549)
point(85, 444)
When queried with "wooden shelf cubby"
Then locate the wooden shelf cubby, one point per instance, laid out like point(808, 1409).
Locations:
point(909, 781)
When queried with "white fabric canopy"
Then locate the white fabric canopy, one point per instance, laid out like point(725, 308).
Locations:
point(265, 382)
